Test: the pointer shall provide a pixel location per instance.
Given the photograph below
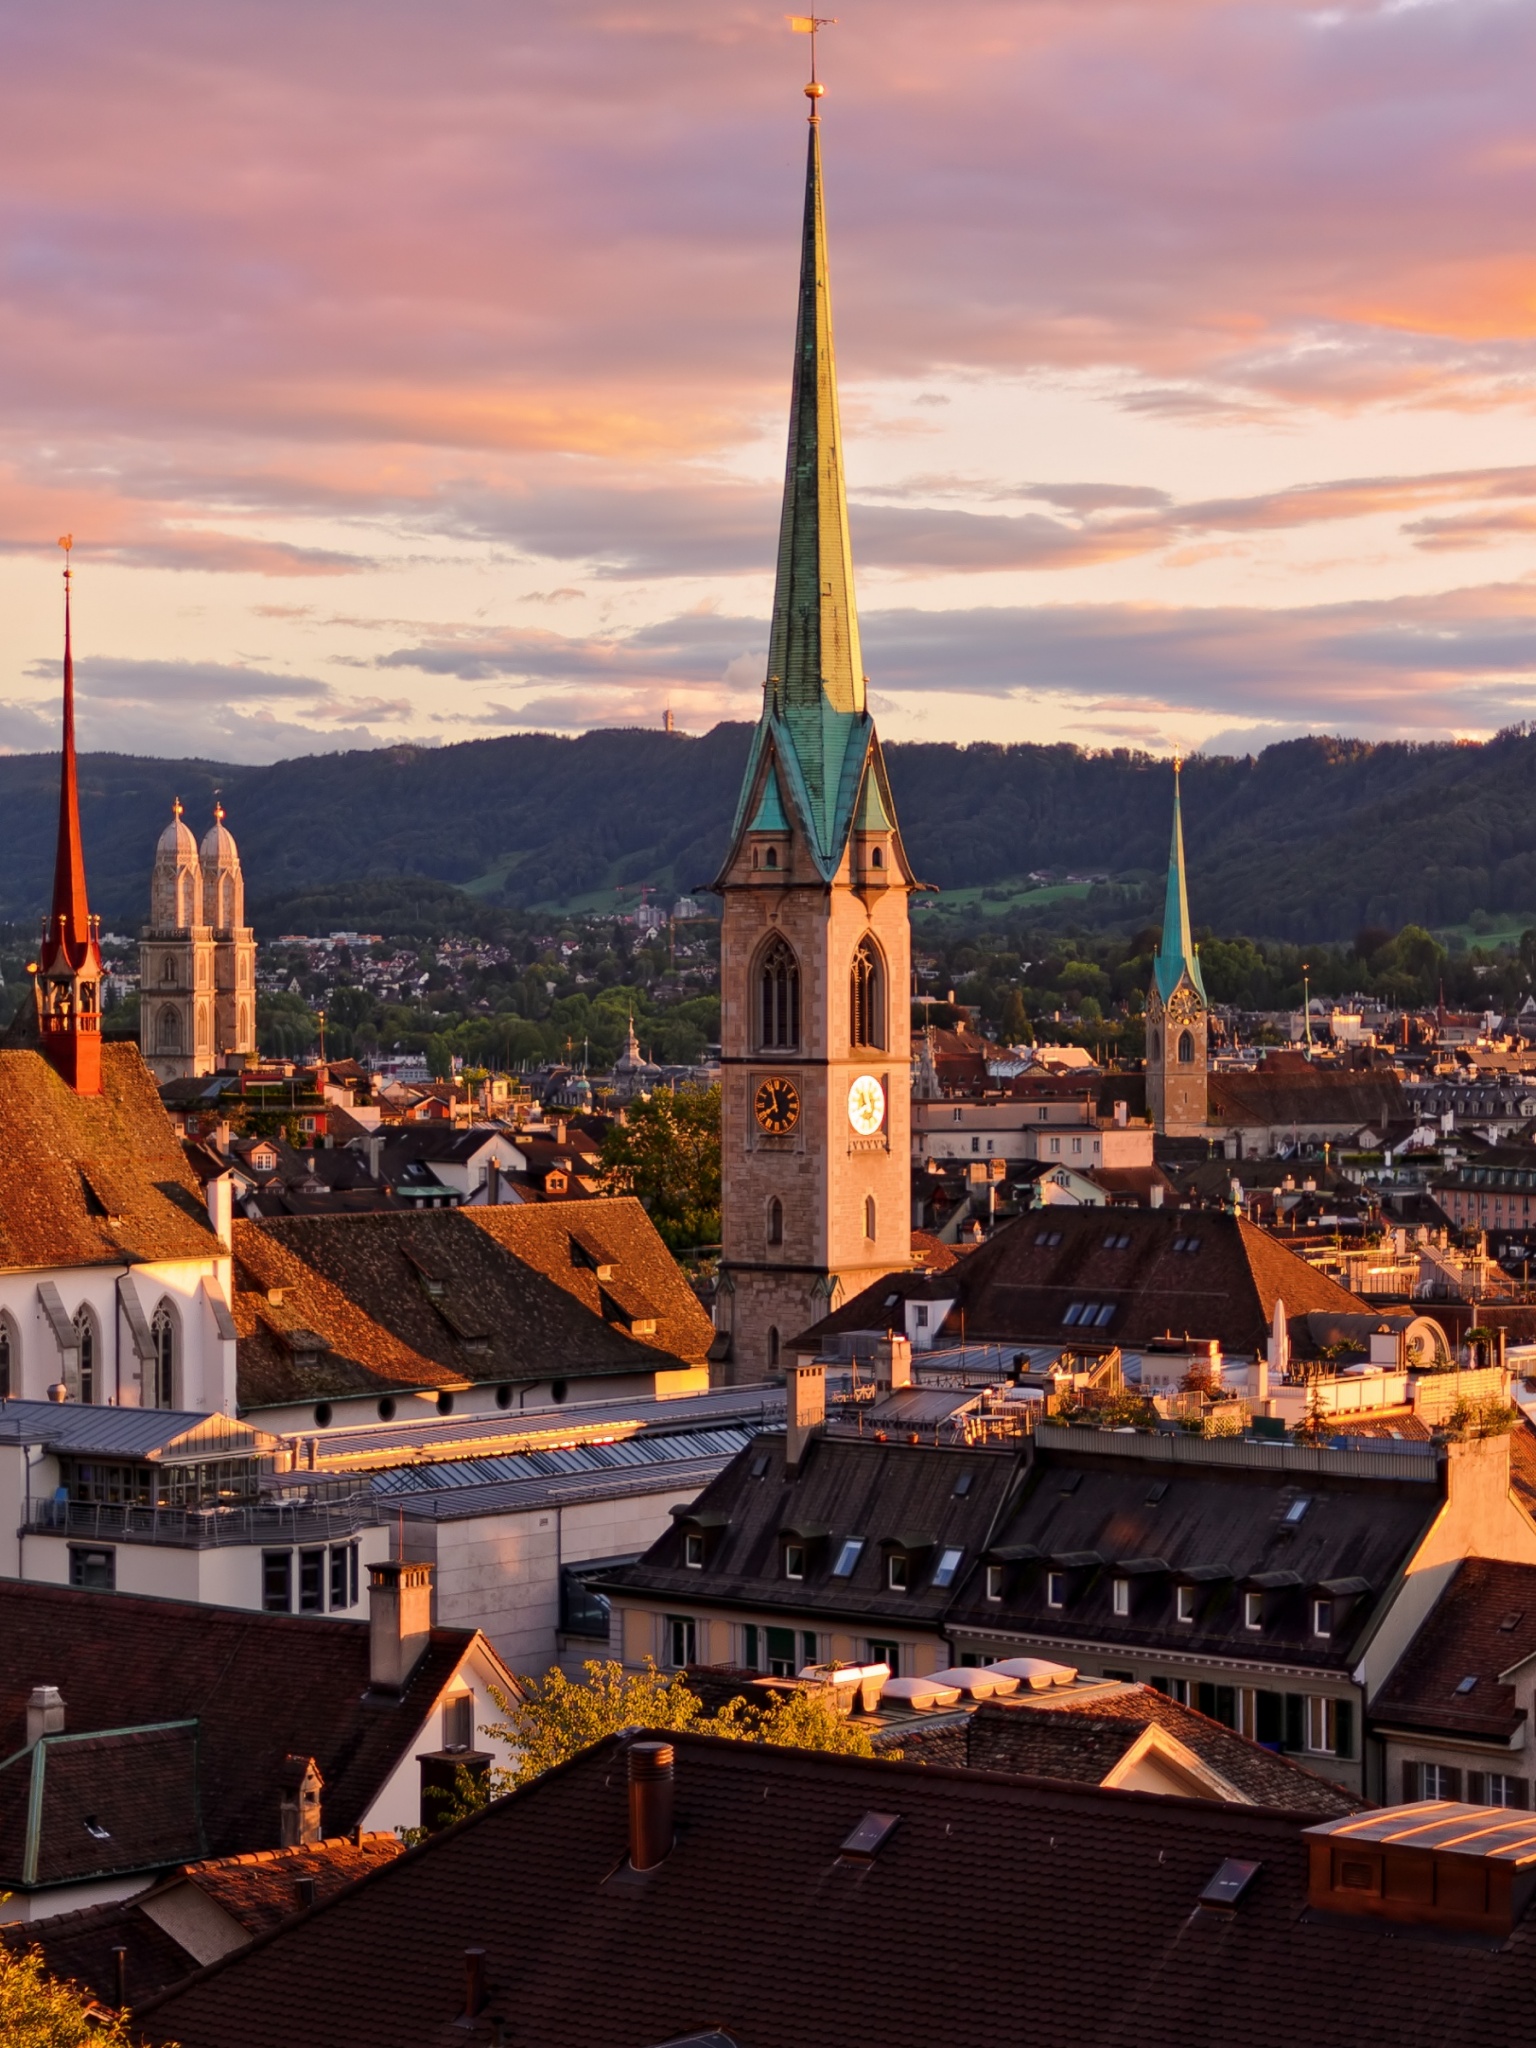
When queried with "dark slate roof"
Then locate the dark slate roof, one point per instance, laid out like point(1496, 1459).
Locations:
point(260, 1891)
point(451, 1298)
point(996, 1911)
point(890, 1494)
point(434, 1144)
point(1313, 1095)
point(91, 1180)
point(1482, 1625)
point(261, 1688)
point(88, 1805)
point(1017, 1287)
point(1221, 1526)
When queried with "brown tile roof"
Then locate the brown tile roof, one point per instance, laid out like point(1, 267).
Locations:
point(260, 1891)
point(452, 1298)
point(1482, 1625)
point(86, 1805)
point(261, 1687)
point(1314, 1095)
point(995, 1911)
point(1184, 1273)
point(90, 1180)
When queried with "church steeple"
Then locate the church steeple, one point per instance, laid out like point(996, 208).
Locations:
point(68, 979)
point(1176, 955)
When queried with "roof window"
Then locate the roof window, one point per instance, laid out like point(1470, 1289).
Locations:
point(1117, 1241)
point(848, 1557)
point(1074, 1312)
point(870, 1836)
point(1048, 1238)
point(1468, 1684)
point(1296, 1510)
point(948, 1564)
point(963, 1485)
point(1186, 1244)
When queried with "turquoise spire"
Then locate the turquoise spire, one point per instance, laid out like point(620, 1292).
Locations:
point(1176, 955)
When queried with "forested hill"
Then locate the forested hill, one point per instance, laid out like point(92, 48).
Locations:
point(1309, 840)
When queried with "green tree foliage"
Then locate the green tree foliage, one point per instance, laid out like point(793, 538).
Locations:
point(668, 1153)
point(37, 2012)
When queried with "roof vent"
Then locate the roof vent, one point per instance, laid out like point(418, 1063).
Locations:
point(1438, 1863)
point(869, 1837)
point(1226, 1889)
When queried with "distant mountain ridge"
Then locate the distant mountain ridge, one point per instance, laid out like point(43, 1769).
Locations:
point(1311, 839)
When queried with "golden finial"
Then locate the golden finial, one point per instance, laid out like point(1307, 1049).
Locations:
point(1178, 763)
point(66, 542)
point(218, 809)
point(807, 25)
point(176, 808)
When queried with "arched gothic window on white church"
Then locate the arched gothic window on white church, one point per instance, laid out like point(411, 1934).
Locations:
point(88, 1341)
point(779, 997)
point(867, 996)
point(1186, 1048)
point(169, 1035)
point(162, 1332)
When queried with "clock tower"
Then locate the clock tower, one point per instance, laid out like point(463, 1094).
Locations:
point(815, 945)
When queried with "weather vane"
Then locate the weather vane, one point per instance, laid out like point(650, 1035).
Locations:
point(67, 540)
point(807, 25)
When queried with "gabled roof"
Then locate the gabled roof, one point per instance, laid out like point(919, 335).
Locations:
point(154, 1434)
point(995, 1911)
point(93, 1805)
point(1482, 1626)
point(257, 1687)
point(93, 1180)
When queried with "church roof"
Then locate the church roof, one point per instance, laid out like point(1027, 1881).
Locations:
point(219, 842)
point(177, 838)
point(1176, 955)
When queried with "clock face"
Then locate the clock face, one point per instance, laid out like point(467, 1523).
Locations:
point(866, 1105)
point(776, 1105)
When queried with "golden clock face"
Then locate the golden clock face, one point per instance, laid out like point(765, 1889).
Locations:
point(866, 1105)
point(776, 1105)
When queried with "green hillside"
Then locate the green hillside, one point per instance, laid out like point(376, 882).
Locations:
point(1309, 840)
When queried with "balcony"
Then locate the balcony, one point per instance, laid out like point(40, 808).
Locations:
point(270, 1522)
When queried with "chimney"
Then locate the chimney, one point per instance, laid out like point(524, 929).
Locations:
point(375, 1157)
point(45, 1713)
point(474, 1982)
point(560, 1130)
point(650, 1803)
point(1155, 1196)
point(299, 1808)
point(805, 1409)
point(893, 1363)
point(1122, 1112)
point(221, 1137)
point(220, 1196)
point(399, 1620)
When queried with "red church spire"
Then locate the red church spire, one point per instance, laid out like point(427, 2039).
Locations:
point(69, 968)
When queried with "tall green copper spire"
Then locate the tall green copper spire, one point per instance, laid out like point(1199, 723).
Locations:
point(1176, 955)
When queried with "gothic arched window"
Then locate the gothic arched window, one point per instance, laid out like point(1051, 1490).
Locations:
point(867, 997)
point(869, 1217)
point(88, 1342)
point(1186, 1048)
point(778, 997)
point(162, 1333)
point(184, 901)
point(775, 1221)
point(168, 970)
point(169, 1035)
point(773, 1350)
point(10, 1359)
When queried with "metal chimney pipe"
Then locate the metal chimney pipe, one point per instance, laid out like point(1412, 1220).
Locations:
point(650, 1803)
point(120, 1968)
point(474, 1981)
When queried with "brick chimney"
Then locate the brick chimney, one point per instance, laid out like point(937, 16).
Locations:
point(399, 1621)
point(45, 1713)
point(893, 1363)
point(805, 1409)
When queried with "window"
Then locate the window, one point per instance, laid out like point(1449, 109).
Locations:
point(1253, 1610)
point(10, 1359)
point(749, 1651)
point(1056, 1148)
point(898, 1572)
point(1497, 1789)
point(773, 1348)
point(1055, 1589)
point(459, 1721)
point(1186, 1244)
point(1073, 1311)
point(867, 996)
point(869, 1219)
point(682, 1641)
point(1047, 1239)
point(781, 1652)
point(794, 1560)
point(311, 1582)
point(886, 1653)
point(920, 1316)
point(1122, 1596)
point(994, 1582)
point(771, 857)
point(343, 1576)
point(1185, 1607)
point(848, 1557)
point(169, 1034)
point(975, 1144)
point(1077, 1144)
point(1296, 1510)
point(277, 1581)
point(96, 1569)
point(1106, 1313)
point(693, 1551)
point(1437, 1781)
point(947, 1566)
point(1322, 1617)
point(775, 1221)
point(1117, 1241)
point(962, 1486)
point(779, 997)
point(162, 1333)
point(809, 1646)
point(1330, 1726)
point(1186, 1049)
point(89, 1353)
point(877, 856)
point(1218, 1703)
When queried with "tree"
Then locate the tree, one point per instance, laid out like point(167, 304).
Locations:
point(668, 1153)
point(37, 2012)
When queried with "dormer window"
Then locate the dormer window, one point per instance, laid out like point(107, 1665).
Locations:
point(1185, 1605)
point(1322, 1617)
point(898, 1571)
point(794, 1560)
point(1253, 1610)
point(693, 1551)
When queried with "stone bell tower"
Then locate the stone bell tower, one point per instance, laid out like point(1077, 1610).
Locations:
point(815, 946)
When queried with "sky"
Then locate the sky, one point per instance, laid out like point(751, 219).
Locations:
point(409, 373)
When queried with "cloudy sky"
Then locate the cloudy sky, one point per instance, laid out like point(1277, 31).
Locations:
point(419, 372)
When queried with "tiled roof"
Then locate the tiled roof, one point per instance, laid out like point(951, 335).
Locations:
point(995, 1911)
point(90, 1180)
point(259, 1891)
point(1316, 1095)
point(1482, 1625)
point(261, 1688)
point(1184, 1273)
point(910, 1496)
point(450, 1298)
point(85, 1805)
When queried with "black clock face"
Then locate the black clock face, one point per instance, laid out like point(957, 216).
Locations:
point(777, 1105)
